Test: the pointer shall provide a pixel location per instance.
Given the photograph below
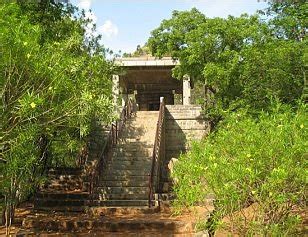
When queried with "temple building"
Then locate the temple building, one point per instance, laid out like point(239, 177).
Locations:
point(147, 79)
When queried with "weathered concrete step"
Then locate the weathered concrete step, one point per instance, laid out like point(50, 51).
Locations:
point(133, 168)
point(126, 173)
point(149, 142)
point(66, 178)
point(143, 120)
point(135, 146)
point(129, 178)
point(60, 208)
point(41, 203)
point(183, 116)
point(128, 162)
point(104, 224)
point(124, 165)
point(147, 137)
point(122, 203)
point(122, 196)
point(63, 195)
point(130, 169)
point(135, 152)
point(128, 183)
point(127, 158)
point(63, 183)
point(64, 189)
point(139, 127)
point(120, 211)
point(123, 190)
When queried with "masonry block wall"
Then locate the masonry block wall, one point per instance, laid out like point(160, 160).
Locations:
point(184, 123)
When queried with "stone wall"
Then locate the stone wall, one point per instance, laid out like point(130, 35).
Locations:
point(184, 123)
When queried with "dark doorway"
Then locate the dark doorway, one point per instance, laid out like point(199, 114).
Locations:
point(154, 107)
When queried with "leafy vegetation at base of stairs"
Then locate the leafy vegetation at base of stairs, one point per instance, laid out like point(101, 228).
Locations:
point(249, 161)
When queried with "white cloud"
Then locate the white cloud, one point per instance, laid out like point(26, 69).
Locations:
point(108, 29)
point(91, 16)
point(85, 4)
point(89, 27)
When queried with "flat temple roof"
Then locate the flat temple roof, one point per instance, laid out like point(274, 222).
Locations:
point(146, 61)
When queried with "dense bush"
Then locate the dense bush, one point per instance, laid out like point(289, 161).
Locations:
point(248, 161)
point(54, 82)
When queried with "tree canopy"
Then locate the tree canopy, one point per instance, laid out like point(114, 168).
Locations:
point(243, 61)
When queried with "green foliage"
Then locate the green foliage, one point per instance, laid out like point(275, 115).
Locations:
point(240, 60)
point(249, 161)
point(289, 18)
point(257, 155)
point(54, 82)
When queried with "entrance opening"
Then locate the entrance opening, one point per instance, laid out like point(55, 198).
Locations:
point(154, 107)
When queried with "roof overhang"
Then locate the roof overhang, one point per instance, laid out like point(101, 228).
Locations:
point(146, 62)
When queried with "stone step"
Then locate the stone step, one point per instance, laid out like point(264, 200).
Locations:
point(64, 209)
point(63, 195)
point(184, 116)
point(122, 196)
point(119, 166)
point(121, 157)
point(56, 188)
point(126, 173)
point(121, 203)
point(140, 126)
point(130, 162)
point(40, 203)
point(135, 146)
point(147, 137)
point(134, 154)
point(125, 183)
point(132, 178)
point(135, 140)
point(120, 211)
point(65, 177)
point(104, 225)
point(123, 190)
point(63, 182)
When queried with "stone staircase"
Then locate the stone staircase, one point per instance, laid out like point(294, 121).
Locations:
point(120, 205)
point(125, 180)
point(65, 191)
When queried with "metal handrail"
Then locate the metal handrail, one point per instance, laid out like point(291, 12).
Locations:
point(158, 153)
point(112, 139)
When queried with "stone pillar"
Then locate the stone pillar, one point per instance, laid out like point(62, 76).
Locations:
point(186, 90)
point(115, 88)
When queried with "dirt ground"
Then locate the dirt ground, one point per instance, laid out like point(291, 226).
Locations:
point(189, 216)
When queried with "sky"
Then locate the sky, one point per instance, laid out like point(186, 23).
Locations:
point(124, 24)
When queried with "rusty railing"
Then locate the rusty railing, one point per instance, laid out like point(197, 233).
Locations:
point(158, 154)
point(111, 140)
